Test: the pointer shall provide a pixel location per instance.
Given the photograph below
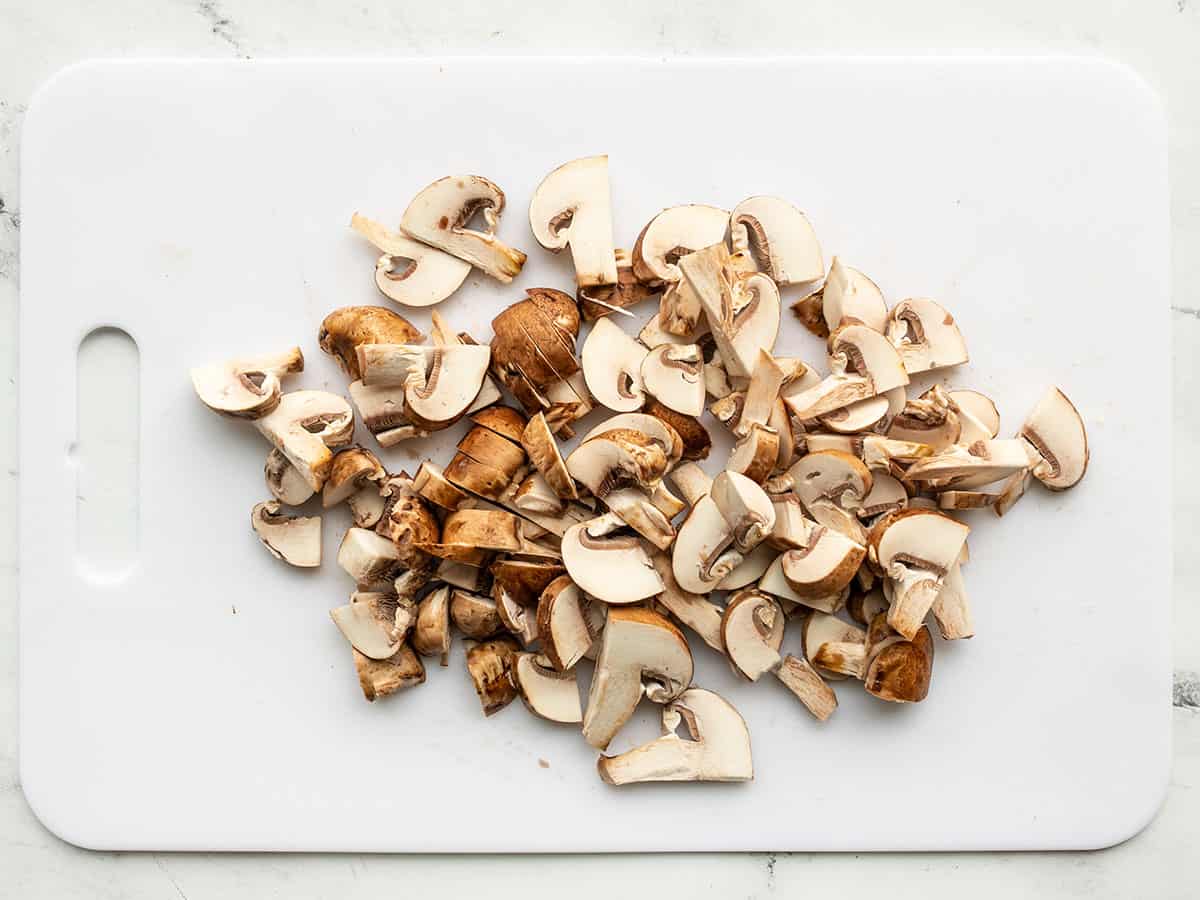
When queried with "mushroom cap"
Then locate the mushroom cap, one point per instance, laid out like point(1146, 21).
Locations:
point(703, 553)
point(538, 441)
point(573, 206)
point(409, 272)
point(490, 665)
point(304, 426)
point(641, 653)
point(695, 439)
point(752, 632)
point(615, 569)
point(455, 377)
point(612, 367)
point(620, 457)
point(746, 507)
point(547, 693)
point(535, 339)
point(1056, 431)
point(474, 615)
point(980, 407)
point(824, 566)
point(246, 388)
point(344, 329)
point(781, 237)
point(285, 482)
point(439, 214)
point(719, 749)
point(562, 623)
point(926, 336)
point(850, 296)
point(674, 373)
point(503, 420)
point(673, 233)
point(294, 539)
point(900, 671)
point(834, 476)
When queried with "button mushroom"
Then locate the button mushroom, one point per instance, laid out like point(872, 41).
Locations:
point(563, 623)
point(674, 373)
point(294, 539)
point(851, 297)
point(696, 441)
point(704, 553)
point(1056, 431)
point(799, 677)
point(612, 366)
point(304, 426)
point(780, 237)
point(374, 624)
point(573, 207)
point(613, 568)
point(916, 549)
point(410, 272)
point(755, 454)
point(926, 336)
point(248, 387)
point(673, 233)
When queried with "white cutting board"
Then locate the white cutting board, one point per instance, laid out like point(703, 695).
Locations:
point(204, 208)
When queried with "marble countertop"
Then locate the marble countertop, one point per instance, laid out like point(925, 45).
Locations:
point(1157, 37)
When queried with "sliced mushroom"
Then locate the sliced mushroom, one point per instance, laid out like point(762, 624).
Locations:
point(864, 607)
point(863, 365)
point(916, 549)
point(431, 483)
point(294, 539)
point(246, 388)
point(439, 214)
point(674, 373)
point(755, 454)
point(926, 336)
point(285, 482)
point(825, 565)
point(409, 272)
point(620, 457)
point(367, 557)
point(673, 233)
point(799, 677)
point(979, 407)
point(966, 500)
point(476, 477)
point(523, 580)
point(791, 528)
point(704, 553)
point(641, 514)
point(746, 508)
point(534, 495)
point(534, 345)
point(928, 419)
point(809, 311)
point(1056, 431)
point(484, 445)
point(761, 394)
point(431, 637)
point(573, 206)
point(900, 670)
point(858, 416)
point(538, 441)
point(1011, 491)
point(775, 584)
point(502, 420)
point(460, 575)
point(490, 665)
point(752, 567)
point(951, 610)
point(407, 522)
point(612, 366)
point(849, 296)
point(475, 616)
point(381, 410)
point(355, 478)
point(613, 568)
point(983, 462)
point(381, 677)
point(563, 625)
point(304, 426)
point(718, 749)
point(641, 654)
point(752, 632)
point(695, 611)
point(487, 529)
point(692, 481)
point(653, 427)
point(834, 646)
point(779, 236)
point(551, 694)
point(344, 330)
point(517, 619)
point(602, 300)
point(374, 623)
point(832, 485)
point(886, 495)
point(696, 441)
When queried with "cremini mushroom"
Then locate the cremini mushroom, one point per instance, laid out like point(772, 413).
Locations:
point(752, 567)
point(409, 272)
point(886, 495)
point(863, 364)
point(407, 521)
point(696, 441)
point(752, 632)
point(347, 328)
point(951, 610)
point(641, 654)
point(612, 567)
point(858, 416)
point(617, 458)
point(374, 623)
point(431, 636)
point(695, 611)
point(832, 486)
point(474, 615)
point(1056, 432)
point(718, 748)
point(926, 336)
point(367, 557)
point(898, 670)
point(294, 539)
point(824, 565)
point(915, 549)
point(612, 366)
point(381, 677)
point(547, 692)
point(304, 426)
point(747, 509)
point(440, 383)
point(639, 512)
point(490, 665)
point(355, 478)
point(539, 443)
point(573, 207)
point(674, 373)
point(704, 553)
point(864, 606)
point(285, 481)
point(563, 624)
point(835, 647)
point(777, 239)
point(799, 677)
point(439, 215)
point(850, 297)
point(247, 387)
point(755, 454)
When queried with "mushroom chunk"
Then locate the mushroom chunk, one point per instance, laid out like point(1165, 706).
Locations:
point(951, 610)
point(673, 233)
point(442, 395)
point(755, 454)
point(916, 549)
point(409, 272)
point(781, 238)
point(746, 507)
point(696, 441)
point(285, 482)
point(641, 514)
point(775, 584)
point(899, 670)
point(439, 214)
point(674, 373)
point(850, 297)
point(431, 637)
point(294, 539)
point(538, 441)
point(432, 485)
point(573, 207)
point(719, 748)
point(344, 330)
point(355, 478)
point(373, 623)
point(562, 623)
point(926, 336)
point(863, 364)
point(653, 427)
point(799, 677)
point(641, 654)
point(304, 426)
point(613, 568)
point(381, 410)
point(834, 646)
point(245, 388)
point(618, 458)
point(475, 616)
point(612, 367)
point(929, 419)
point(858, 416)
point(704, 553)
point(534, 495)
point(490, 665)
point(982, 463)
point(367, 557)
point(1055, 430)
point(550, 694)
point(752, 632)
point(381, 677)
point(824, 565)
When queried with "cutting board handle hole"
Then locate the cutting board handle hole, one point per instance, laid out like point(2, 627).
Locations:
point(105, 454)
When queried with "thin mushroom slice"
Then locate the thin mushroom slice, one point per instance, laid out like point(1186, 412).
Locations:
point(746, 508)
point(641, 514)
point(966, 500)
point(825, 564)
point(344, 330)
point(294, 539)
point(695, 611)
point(916, 549)
point(409, 272)
point(641, 654)
point(704, 553)
point(304, 426)
point(752, 632)
point(573, 207)
point(285, 481)
point(1056, 431)
point(563, 625)
point(653, 427)
point(863, 365)
point(431, 637)
point(761, 394)
point(673, 233)
point(653, 334)
point(382, 677)
point(245, 388)
point(983, 462)
point(439, 214)
point(777, 239)
point(538, 441)
point(886, 495)
point(864, 607)
point(752, 567)
point(775, 584)
point(858, 416)
point(951, 610)
point(612, 568)
point(407, 521)
point(980, 407)
point(502, 420)
point(550, 694)
point(832, 486)
point(718, 749)
point(926, 336)
point(674, 373)
point(612, 367)
point(799, 677)
point(849, 297)
point(490, 666)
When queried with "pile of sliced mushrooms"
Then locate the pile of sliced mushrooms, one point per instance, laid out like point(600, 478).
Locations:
point(837, 510)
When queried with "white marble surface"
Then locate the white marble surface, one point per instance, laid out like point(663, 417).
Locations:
point(1158, 37)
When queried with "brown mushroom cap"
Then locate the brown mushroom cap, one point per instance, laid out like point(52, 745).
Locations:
point(696, 440)
point(490, 665)
point(900, 670)
point(343, 330)
point(504, 420)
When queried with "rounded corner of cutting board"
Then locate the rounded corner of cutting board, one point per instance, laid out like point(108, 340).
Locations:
point(69, 822)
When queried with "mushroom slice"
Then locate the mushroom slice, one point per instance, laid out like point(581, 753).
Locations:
point(832, 485)
point(673, 233)
point(966, 500)
point(476, 478)
point(886, 495)
point(502, 420)
point(926, 336)
point(367, 557)
point(573, 206)
point(538, 441)
point(979, 407)
point(381, 410)
point(620, 457)
point(755, 454)
point(654, 427)
point(858, 416)
point(355, 478)
point(692, 481)
point(285, 482)
point(373, 623)
point(674, 373)
point(1012, 491)
point(563, 626)
point(1056, 431)
point(749, 570)
point(719, 748)
point(983, 462)
point(929, 419)
point(780, 237)
point(703, 554)
point(344, 330)
point(409, 272)
point(551, 694)
point(695, 611)
point(916, 549)
point(899, 670)
point(487, 529)
point(761, 395)
point(791, 528)
point(809, 311)
point(799, 677)
point(897, 399)
point(518, 620)
point(612, 366)
point(490, 665)
point(864, 607)
point(863, 365)
point(534, 495)
point(849, 296)
point(381, 677)
point(475, 616)
point(951, 610)
point(431, 637)
point(615, 569)
point(439, 214)
point(523, 580)
point(294, 539)
point(245, 388)
point(746, 507)
point(695, 439)
point(304, 426)
point(752, 632)
point(641, 654)
point(775, 584)
point(665, 502)
point(484, 445)
point(742, 311)
point(824, 566)
point(602, 300)
point(654, 335)
point(642, 515)
point(445, 393)
point(833, 645)
point(432, 485)
point(460, 575)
